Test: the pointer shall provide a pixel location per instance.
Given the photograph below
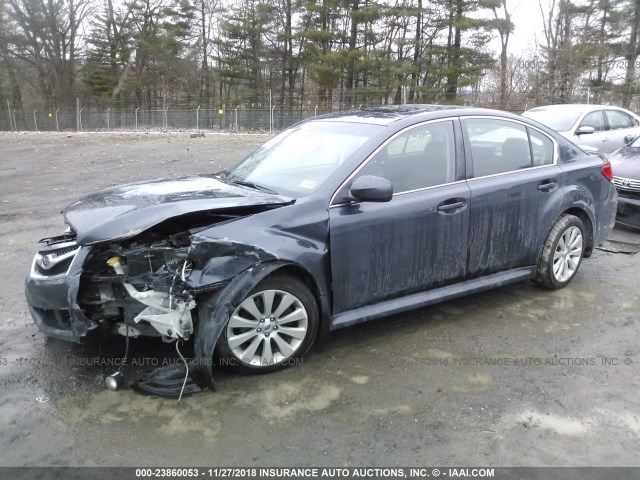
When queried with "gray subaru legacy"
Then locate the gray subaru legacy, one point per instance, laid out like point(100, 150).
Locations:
point(340, 219)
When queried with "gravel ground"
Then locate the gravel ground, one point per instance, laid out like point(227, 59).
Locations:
point(512, 377)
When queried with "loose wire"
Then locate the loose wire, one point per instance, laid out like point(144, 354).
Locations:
point(126, 344)
point(186, 375)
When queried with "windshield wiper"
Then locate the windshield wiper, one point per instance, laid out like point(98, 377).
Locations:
point(222, 175)
point(229, 177)
point(253, 185)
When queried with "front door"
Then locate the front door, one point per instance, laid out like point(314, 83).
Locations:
point(416, 241)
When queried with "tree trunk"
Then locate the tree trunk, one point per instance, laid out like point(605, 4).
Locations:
point(415, 73)
point(565, 54)
point(504, 31)
point(453, 52)
point(631, 57)
point(205, 78)
point(353, 36)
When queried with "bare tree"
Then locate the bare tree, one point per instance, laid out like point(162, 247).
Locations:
point(47, 37)
point(207, 10)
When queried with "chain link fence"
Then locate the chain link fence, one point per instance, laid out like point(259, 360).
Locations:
point(239, 119)
point(199, 119)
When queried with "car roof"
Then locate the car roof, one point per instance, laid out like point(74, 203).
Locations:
point(576, 107)
point(388, 114)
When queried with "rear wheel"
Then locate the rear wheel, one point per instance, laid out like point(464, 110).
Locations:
point(272, 327)
point(562, 253)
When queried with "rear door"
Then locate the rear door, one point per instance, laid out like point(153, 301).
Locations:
point(516, 193)
point(417, 240)
point(620, 125)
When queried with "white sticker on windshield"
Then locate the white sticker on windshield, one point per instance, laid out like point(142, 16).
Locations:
point(310, 184)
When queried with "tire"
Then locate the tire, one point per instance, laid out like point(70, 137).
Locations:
point(256, 340)
point(562, 253)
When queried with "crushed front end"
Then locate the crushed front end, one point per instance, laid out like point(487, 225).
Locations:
point(131, 288)
point(143, 259)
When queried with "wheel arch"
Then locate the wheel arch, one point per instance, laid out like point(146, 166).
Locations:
point(586, 219)
point(216, 307)
point(299, 272)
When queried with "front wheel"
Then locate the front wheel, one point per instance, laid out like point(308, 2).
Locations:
point(271, 328)
point(562, 253)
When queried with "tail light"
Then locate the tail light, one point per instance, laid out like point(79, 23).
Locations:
point(607, 171)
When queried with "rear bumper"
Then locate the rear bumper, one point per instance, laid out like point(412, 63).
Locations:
point(53, 305)
point(605, 217)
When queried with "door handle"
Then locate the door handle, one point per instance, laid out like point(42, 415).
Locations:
point(606, 139)
point(450, 207)
point(547, 185)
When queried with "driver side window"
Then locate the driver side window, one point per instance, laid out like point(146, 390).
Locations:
point(420, 157)
point(595, 120)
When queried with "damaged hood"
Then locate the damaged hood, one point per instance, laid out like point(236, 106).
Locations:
point(127, 210)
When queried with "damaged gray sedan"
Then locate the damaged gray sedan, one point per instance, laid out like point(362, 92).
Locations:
point(338, 220)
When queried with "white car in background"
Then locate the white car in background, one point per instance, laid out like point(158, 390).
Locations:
point(604, 127)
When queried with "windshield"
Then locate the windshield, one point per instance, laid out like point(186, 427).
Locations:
point(299, 160)
point(556, 119)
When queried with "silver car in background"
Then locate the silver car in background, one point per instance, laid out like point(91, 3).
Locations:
point(604, 127)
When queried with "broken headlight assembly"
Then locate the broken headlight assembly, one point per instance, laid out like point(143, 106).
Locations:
point(139, 290)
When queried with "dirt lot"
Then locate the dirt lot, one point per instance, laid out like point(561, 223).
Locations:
point(415, 389)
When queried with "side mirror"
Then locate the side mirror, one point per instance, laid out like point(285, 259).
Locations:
point(628, 140)
point(369, 188)
point(585, 130)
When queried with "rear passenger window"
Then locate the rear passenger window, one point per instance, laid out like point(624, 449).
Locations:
point(541, 147)
point(421, 157)
point(618, 119)
point(497, 146)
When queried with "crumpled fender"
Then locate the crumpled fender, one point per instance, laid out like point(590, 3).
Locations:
point(222, 259)
point(215, 310)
